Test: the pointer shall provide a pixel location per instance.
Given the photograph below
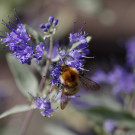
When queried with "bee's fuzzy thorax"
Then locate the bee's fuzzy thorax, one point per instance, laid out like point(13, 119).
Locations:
point(69, 76)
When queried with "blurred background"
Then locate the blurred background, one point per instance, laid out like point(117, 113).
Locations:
point(110, 23)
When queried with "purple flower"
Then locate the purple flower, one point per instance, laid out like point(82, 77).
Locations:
point(45, 106)
point(50, 19)
point(73, 58)
point(24, 55)
point(18, 40)
point(130, 48)
point(69, 59)
point(42, 26)
point(109, 126)
point(47, 25)
point(20, 43)
point(39, 51)
point(118, 78)
point(50, 27)
point(55, 22)
point(100, 76)
point(55, 73)
point(78, 37)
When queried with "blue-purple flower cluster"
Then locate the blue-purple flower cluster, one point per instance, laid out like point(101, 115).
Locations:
point(39, 51)
point(119, 78)
point(130, 48)
point(73, 58)
point(19, 41)
point(49, 27)
point(78, 37)
point(109, 126)
point(45, 106)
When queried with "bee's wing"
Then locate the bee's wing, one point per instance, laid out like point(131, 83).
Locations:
point(89, 84)
point(64, 100)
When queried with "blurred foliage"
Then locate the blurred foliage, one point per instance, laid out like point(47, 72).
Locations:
point(93, 7)
point(25, 79)
point(6, 6)
point(57, 130)
point(15, 109)
point(100, 114)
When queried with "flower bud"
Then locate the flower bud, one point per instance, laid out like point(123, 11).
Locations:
point(42, 26)
point(47, 25)
point(55, 22)
point(45, 30)
point(50, 19)
point(109, 126)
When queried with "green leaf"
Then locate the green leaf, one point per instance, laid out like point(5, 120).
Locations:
point(57, 130)
point(25, 79)
point(105, 100)
point(100, 114)
point(16, 109)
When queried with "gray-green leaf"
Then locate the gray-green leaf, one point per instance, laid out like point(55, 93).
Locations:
point(100, 114)
point(25, 79)
point(16, 109)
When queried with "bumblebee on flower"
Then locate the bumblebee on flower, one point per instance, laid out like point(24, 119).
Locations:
point(67, 73)
point(69, 69)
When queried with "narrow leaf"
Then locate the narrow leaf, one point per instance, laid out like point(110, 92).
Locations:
point(16, 109)
point(100, 114)
point(25, 79)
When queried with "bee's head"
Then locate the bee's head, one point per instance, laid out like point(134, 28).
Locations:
point(64, 67)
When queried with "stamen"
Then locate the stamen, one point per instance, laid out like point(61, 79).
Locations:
point(73, 28)
point(3, 32)
point(84, 69)
point(11, 20)
point(8, 26)
point(12, 25)
point(88, 57)
point(17, 18)
point(81, 28)
point(74, 96)
point(2, 36)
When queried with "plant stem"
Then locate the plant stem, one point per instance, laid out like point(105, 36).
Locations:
point(41, 86)
point(47, 66)
point(26, 122)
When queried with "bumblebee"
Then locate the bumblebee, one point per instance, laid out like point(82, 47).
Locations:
point(70, 79)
